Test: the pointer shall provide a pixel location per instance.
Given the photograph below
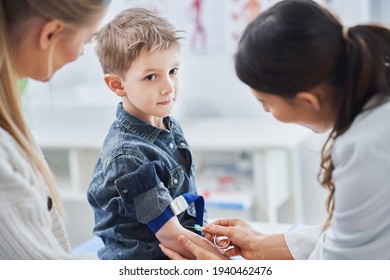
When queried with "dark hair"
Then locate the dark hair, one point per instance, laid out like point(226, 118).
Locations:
point(297, 45)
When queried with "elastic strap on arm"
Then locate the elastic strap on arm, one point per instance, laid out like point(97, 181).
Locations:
point(177, 206)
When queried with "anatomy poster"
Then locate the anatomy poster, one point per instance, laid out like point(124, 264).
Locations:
point(210, 27)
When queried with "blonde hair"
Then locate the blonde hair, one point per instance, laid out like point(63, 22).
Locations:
point(13, 18)
point(132, 31)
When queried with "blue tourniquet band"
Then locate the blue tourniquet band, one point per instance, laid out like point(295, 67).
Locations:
point(158, 222)
point(199, 205)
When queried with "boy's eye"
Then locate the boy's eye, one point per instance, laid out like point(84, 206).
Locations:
point(151, 77)
point(173, 71)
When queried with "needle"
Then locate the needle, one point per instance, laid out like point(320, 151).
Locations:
point(196, 227)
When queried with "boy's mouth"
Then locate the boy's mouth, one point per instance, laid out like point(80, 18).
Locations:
point(169, 101)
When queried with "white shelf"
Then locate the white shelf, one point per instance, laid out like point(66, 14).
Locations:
point(242, 134)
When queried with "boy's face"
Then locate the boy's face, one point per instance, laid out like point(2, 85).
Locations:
point(151, 85)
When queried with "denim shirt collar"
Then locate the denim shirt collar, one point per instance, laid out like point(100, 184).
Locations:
point(139, 127)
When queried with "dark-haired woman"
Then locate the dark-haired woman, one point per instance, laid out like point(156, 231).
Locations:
point(304, 67)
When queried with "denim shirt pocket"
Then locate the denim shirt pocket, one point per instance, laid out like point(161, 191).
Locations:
point(176, 177)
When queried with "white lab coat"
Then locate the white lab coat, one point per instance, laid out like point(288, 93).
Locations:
point(360, 228)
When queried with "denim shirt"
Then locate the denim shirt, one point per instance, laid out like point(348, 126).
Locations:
point(140, 170)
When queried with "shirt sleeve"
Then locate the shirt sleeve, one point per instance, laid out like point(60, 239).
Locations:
point(302, 242)
point(360, 228)
point(143, 191)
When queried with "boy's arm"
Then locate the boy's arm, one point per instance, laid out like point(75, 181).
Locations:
point(169, 233)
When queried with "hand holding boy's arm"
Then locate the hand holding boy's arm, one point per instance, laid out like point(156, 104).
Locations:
point(169, 233)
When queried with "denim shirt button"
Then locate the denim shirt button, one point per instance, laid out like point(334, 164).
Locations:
point(175, 181)
point(183, 144)
point(125, 191)
point(171, 145)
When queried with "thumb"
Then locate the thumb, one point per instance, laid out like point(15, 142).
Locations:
point(199, 252)
point(187, 244)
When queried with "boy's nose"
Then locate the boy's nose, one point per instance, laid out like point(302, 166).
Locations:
point(168, 87)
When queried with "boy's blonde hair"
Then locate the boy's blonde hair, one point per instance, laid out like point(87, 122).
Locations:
point(132, 31)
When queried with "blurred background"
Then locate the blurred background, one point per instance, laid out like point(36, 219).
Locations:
point(248, 165)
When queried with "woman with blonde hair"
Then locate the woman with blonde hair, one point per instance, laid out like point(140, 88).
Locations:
point(37, 37)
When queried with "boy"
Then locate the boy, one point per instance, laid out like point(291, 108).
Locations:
point(145, 162)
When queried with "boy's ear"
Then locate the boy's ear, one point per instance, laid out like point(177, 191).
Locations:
point(309, 99)
point(50, 32)
point(114, 82)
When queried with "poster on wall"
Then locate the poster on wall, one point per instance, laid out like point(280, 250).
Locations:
point(214, 27)
point(202, 22)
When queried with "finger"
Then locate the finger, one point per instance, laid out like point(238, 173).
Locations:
point(188, 244)
point(171, 254)
point(209, 237)
point(231, 253)
point(199, 252)
point(225, 222)
point(218, 230)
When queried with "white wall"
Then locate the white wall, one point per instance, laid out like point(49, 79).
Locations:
point(207, 77)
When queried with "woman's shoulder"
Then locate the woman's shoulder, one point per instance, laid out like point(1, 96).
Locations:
point(14, 163)
point(16, 173)
point(370, 125)
point(8, 144)
point(368, 134)
point(4, 135)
